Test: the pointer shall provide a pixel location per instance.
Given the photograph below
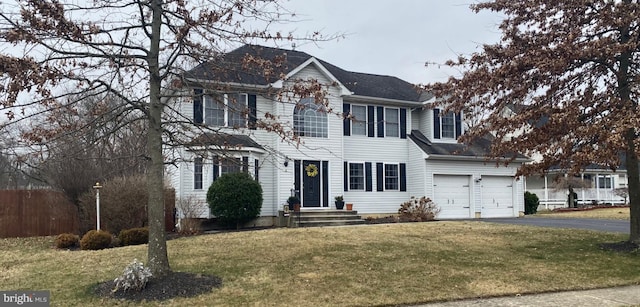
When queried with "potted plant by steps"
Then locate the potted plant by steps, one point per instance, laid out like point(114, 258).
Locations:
point(349, 207)
point(294, 203)
point(339, 202)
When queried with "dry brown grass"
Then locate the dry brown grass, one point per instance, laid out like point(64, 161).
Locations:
point(385, 264)
point(603, 213)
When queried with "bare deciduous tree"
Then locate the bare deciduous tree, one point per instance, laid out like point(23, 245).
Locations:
point(135, 50)
point(574, 65)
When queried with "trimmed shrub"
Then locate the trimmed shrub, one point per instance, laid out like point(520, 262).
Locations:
point(418, 210)
point(134, 236)
point(531, 203)
point(95, 239)
point(235, 199)
point(67, 240)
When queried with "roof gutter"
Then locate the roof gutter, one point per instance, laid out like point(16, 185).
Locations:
point(231, 84)
point(470, 158)
point(383, 101)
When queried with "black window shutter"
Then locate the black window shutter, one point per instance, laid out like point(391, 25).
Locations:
point(380, 176)
point(346, 121)
point(253, 112)
point(245, 165)
point(436, 123)
point(368, 179)
point(345, 177)
point(403, 123)
point(380, 122)
point(325, 183)
point(403, 177)
point(197, 106)
point(255, 169)
point(371, 123)
point(458, 124)
point(296, 179)
point(216, 168)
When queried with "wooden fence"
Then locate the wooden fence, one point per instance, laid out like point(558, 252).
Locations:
point(28, 213)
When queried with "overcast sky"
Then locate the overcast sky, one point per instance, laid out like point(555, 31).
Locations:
point(394, 37)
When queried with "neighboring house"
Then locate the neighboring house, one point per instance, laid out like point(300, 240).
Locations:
point(596, 184)
point(375, 143)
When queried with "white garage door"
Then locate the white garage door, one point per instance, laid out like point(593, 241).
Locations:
point(451, 195)
point(497, 196)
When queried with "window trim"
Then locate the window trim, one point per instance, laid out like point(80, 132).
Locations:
point(198, 173)
point(364, 176)
point(363, 121)
point(458, 125)
point(386, 178)
point(319, 115)
point(209, 96)
point(386, 122)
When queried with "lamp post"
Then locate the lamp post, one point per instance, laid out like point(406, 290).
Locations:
point(97, 188)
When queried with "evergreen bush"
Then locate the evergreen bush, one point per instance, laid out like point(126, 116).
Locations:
point(235, 199)
point(95, 240)
point(67, 240)
point(134, 236)
point(531, 203)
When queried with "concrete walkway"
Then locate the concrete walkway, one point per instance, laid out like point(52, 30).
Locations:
point(619, 296)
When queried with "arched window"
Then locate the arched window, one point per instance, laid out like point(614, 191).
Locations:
point(310, 119)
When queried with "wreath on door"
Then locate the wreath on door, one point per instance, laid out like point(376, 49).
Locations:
point(312, 170)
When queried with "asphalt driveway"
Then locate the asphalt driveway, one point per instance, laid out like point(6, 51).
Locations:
point(620, 226)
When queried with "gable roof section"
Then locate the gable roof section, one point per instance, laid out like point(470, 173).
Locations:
point(479, 149)
point(232, 68)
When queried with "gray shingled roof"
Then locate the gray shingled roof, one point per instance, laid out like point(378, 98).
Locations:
point(231, 67)
point(478, 149)
point(225, 141)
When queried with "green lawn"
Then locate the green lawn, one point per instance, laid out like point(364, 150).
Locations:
point(385, 264)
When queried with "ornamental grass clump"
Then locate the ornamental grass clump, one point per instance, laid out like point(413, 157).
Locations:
point(418, 210)
point(134, 277)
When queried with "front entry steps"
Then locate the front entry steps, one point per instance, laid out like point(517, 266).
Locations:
point(317, 218)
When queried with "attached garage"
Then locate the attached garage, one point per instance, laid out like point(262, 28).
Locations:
point(452, 194)
point(497, 197)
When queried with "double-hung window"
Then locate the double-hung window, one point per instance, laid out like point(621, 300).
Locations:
point(230, 165)
point(391, 177)
point(358, 120)
point(356, 176)
point(392, 122)
point(605, 182)
point(448, 126)
point(228, 110)
point(197, 174)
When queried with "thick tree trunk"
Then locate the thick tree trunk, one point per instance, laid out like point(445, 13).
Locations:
point(633, 183)
point(158, 260)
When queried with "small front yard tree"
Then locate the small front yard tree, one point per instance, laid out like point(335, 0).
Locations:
point(574, 67)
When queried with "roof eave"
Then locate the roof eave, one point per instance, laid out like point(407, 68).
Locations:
point(383, 101)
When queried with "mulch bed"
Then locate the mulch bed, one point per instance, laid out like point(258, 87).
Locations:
point(176, 284)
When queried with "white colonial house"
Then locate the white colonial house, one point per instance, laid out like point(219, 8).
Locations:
point(375, 143)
